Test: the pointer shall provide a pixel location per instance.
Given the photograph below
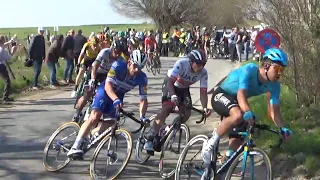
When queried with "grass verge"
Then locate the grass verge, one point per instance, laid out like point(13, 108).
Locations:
point(304, 147)
point(25, 75)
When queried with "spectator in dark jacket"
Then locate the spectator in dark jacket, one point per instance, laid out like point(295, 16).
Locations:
point(67, 51)
point(37, 53)
point(53, 55)
point(79, 41)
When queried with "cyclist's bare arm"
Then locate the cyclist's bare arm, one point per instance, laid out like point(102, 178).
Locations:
point(276, 115)
point(242, 100)
point(110, 91)
point(143, 107)
point(203, 90)
point(81, 56)
point(94, 70)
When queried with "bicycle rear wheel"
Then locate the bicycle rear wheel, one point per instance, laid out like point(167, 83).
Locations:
point(259, 170)
point(168, 169)
point(111, 156)
point(60, 147)
point(191, 167)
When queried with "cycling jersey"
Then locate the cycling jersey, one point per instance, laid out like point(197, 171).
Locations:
point(150, 43)
point(104, 59)
point(185, 77)
point(122, 84)
point(89, 53)
point(246, 77)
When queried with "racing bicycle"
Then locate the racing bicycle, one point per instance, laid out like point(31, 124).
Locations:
point(81, 88)
point(110, 137)
point(235, 165)
point(164, 142)
point(154, 63)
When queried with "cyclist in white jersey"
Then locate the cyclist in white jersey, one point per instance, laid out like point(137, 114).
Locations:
point(175, 91)
point(100, 68)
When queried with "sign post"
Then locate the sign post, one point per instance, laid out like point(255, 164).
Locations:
point(266, 39)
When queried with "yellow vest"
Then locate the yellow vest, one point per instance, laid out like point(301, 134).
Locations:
point(165, 38)
point(182, 37)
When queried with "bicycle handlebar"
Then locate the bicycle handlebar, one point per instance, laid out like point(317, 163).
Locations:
point(268, 128)
point(131, 116)
point(203, 118)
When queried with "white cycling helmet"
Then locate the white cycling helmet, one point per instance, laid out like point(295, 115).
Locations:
point(139, 58)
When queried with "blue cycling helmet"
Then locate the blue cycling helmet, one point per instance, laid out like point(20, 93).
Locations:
point(276, 55)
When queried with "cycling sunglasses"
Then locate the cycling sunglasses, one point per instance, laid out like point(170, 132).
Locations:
point(278, 68)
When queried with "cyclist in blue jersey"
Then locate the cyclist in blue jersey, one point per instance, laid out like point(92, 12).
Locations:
point(230, 98)
point(121, 78)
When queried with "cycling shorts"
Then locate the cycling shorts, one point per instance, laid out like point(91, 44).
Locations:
point(222, 103)
point(183, 94)
point(103, 103)
point(85, 63)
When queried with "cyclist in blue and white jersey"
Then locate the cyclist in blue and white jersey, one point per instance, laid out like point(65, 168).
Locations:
point(122, 77)
point(230, 98)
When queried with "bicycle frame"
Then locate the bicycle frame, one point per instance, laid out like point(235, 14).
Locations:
point(113, 129)
point(245, 147)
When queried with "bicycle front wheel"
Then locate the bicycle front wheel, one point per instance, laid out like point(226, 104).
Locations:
point(193, 168)
point(172, 148)
point(109, 165)
point(256, 166)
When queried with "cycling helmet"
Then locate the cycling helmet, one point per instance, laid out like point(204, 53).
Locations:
point(276, 55)
point(138, 57)
point(197, 56)
point(119, 46)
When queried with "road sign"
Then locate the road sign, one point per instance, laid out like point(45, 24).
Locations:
point(266, 39)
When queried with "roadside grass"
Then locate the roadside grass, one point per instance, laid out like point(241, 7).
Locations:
point(25, 75)
point(86, 29)
point(304, 147)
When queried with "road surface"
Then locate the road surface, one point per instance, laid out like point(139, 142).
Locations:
point(29, 122)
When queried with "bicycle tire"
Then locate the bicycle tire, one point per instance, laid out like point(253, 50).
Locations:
point(137, 151)
point(153, 67)
point(128, 138)
point(185, 150)
point(158, 65)
point(163, 174)
point(236, 161)
point(46, 148)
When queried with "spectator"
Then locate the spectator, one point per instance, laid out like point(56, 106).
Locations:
point(37, 53)
point(67, 52)
point(53, 55)
point(239, 43)
point(254, 34)
point(224, 39)
point(79, 41)
point(246, 43)
point(4, 57)
point(232, 45)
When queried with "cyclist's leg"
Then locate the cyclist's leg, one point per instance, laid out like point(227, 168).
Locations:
point(226, 106)
point(165, 111)
point(82, 69)
point(99, 106)
point(186, 100)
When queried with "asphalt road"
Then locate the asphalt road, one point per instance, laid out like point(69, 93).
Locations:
point(29, 122)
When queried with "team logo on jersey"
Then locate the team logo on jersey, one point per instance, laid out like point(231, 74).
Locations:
point(112, 73)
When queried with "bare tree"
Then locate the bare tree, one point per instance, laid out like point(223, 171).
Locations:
point(297, 22)
point(165, 13)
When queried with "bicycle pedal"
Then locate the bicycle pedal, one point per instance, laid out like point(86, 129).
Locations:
point(151, 153)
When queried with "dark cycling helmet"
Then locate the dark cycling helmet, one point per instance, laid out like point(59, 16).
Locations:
point(119, 46)
point(276, 55)
point(197, 56)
